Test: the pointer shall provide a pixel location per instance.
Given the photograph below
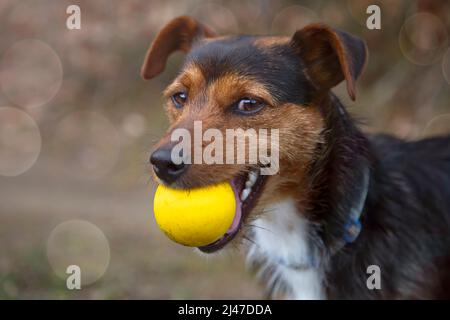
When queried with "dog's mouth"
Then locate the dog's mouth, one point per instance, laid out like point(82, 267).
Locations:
point(247, 189)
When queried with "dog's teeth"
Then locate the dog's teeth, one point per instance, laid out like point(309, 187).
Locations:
point(253, 176)
point(245, 194)
point(249, 184)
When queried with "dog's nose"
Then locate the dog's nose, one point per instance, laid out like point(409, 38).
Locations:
point(164, 167)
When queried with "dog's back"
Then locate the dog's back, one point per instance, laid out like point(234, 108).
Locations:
point(421, 171)
point(406, 222)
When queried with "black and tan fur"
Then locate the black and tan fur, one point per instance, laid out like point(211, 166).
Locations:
point(323, 154)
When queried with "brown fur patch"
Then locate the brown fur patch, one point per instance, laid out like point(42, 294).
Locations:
point(232, 87)
point(265, 42)
point(191, 81)
point(300, 133)
point(300, 129)
point(331, 56)
point(178, 34)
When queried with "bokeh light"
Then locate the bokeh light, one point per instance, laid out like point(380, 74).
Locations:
point(141, 17)
point(292, 18)
point(90, 142)
point(251, 14)
point(30, 73)
point(357, 10)
point(20, 141)
point(80, 243)
point(221, 19)
point(446, 66)
point(439, 125)
point(332, 15)
point(423, 38)
point(134, 125)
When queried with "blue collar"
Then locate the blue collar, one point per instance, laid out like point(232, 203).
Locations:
point(352, 227)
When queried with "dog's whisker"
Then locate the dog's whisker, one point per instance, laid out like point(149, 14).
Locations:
point(256, 226)
point(251, 241)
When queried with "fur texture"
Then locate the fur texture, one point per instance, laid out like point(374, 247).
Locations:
point(302, 212)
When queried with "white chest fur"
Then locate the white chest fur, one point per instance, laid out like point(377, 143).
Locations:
point(281, 244)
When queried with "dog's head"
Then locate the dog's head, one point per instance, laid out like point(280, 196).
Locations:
point(250, 83)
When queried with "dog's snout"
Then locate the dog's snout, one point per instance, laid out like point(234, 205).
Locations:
point(164, 167)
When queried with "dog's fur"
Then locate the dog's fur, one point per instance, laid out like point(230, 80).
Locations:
point(324, 157)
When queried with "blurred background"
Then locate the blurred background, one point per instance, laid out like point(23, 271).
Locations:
point(77, 124)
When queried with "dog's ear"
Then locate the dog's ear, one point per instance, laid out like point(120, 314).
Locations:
point(330, 56)
point(178, 34)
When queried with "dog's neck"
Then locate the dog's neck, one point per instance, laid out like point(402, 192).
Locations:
point(293, 248)
point(339, 176)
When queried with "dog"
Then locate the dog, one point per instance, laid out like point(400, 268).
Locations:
point(345, 207)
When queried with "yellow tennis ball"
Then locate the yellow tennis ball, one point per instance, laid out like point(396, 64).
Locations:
point(195, 217)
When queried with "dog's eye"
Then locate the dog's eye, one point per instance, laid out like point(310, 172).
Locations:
point(179, 99)
point(248, 106)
